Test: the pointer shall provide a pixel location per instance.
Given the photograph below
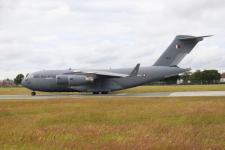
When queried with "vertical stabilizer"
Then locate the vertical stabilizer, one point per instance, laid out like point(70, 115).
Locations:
point(179, 48)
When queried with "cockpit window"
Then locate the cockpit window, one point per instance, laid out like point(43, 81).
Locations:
point(40, 76)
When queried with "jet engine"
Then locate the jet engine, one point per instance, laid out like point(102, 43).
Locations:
point(73, 80)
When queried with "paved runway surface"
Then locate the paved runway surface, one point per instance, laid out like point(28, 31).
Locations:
point(159, 94)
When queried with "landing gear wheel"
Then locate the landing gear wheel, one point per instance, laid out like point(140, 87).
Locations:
point(33, 93)
point(95, 93)
point(105, 92)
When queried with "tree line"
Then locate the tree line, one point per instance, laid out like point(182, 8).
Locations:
point(197, 77)
point(18, 79)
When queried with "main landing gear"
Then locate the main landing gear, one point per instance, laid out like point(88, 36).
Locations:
point(95, 93)
point(33, 93)
point(105, 92)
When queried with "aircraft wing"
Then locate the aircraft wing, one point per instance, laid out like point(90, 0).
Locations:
point(99, 74)
point(106, 74)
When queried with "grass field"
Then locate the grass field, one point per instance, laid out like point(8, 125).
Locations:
point(140, 89)
point(114, 123)
point(175, 88)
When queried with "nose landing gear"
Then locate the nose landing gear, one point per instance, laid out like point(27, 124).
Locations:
point(33, 93)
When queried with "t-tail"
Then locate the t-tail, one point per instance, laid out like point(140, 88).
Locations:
point(179, 48)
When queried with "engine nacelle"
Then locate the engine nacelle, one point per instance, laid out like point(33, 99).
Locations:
point(73, 80)
point(78, 80)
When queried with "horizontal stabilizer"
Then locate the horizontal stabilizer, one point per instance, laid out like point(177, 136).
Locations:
point(199, 38)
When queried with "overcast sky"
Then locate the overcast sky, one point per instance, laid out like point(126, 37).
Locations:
point(61, 34)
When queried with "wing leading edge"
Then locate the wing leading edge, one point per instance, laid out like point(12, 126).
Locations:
point(107, 74)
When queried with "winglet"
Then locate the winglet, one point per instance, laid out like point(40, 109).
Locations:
point(135, 71)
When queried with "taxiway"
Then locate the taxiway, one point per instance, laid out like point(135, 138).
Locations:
point(158, 94)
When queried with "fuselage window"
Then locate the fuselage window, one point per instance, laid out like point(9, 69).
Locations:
point(43, 76)
point(51, 76)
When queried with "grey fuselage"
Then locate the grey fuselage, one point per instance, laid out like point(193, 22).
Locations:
point(114, 79)
point(47, 80)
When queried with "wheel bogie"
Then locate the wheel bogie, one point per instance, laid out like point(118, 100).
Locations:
point(104, 92)
point(95, 93)
point(100, 92)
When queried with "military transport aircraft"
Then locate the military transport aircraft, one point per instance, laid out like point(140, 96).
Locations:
point(105, 81)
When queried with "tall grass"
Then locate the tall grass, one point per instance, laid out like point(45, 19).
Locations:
point(114, 123)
